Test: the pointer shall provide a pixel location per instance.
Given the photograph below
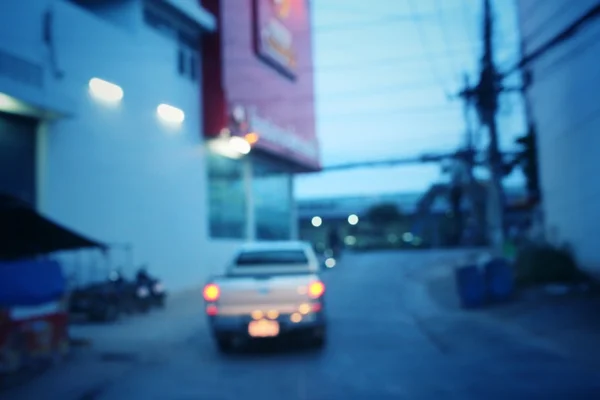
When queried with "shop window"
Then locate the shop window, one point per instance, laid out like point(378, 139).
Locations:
point(272, 200)
point(227, 200)
point(193, 68)
point(181, 62)
point(187, 41)
point(187, 63)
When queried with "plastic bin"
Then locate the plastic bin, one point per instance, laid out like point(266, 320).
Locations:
point(470, 285)
point(500, 280)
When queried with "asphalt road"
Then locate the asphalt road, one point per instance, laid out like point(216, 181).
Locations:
point(387, 340)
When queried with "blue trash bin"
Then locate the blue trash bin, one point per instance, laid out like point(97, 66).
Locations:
point(471, 287)
point(500, 280)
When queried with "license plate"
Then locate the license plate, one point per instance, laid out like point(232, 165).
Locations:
point(263, 328)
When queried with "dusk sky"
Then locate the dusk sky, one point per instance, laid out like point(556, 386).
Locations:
point(384, 72)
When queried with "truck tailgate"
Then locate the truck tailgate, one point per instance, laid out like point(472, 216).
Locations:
point(245, 294)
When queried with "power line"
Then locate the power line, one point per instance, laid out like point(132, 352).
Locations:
point(424, 44)
point(344, 95)
point(398, 111)
point(556, 40)
point(445, 35)
point(577, 50)
point(536, 33)
point(397, 161)
point(390, 19)
point(467, 19)
point(252, 62)
point(348, 9)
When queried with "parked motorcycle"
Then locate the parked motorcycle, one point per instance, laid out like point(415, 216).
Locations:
point(136, 295)
point(98, 302)
point(151, 287)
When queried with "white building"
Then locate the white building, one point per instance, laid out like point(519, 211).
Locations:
point(565, 107)
point(110, 170)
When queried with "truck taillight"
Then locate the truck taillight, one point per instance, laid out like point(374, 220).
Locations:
point(316, 289)
point(211, 292)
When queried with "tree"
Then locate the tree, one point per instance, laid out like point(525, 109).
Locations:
point(384, 214)
point(528, 161)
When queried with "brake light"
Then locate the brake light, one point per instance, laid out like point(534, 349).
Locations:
point(316, 289)
point(212, 310)
point(211, 292)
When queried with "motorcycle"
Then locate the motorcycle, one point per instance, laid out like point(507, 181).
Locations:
point(151, 289)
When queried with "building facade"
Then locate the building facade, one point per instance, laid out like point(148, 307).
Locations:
point(563, 104)
point(260, 83)
point(102, 128)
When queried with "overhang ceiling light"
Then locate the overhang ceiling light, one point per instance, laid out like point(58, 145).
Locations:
point(170, 114)
point(105, 91)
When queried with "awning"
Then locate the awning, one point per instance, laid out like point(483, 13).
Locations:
point(26, 233)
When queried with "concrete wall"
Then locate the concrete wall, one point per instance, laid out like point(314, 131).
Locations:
point(564, 103)
point(116, 173)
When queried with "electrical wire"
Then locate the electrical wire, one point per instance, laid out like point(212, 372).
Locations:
point(251, 61)
point(445, 36)
point(558, 39)
point(432, 65)
point(389, 112)
point(349, 9)
point(549, 70)
point(380, 22)
point(468, 22)
point(540, 28)
point(386, 89)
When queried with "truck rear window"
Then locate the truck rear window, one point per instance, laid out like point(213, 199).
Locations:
point(272, 257)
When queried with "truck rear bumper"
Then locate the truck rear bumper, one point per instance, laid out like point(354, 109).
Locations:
point(238, 325)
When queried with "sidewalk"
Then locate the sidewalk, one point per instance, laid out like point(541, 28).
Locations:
point(115, 350)
point(570, 321)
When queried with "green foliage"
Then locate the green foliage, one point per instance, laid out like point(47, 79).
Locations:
point(384, 214)
point(542, 264)
point(527, 160)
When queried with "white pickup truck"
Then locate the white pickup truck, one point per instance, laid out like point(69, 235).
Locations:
point(269, 289)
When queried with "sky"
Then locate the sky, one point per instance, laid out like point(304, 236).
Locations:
point(386, 72)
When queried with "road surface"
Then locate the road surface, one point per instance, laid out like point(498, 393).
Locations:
point(387, 341)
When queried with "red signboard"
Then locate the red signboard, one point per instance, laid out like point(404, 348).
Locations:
point(273, 36)
point(246, 76)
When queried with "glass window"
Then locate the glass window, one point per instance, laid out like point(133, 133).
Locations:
point(227, 202)
point(272, 257)
point(272, 201)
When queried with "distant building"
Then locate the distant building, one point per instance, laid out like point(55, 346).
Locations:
point(111, 112)
point(563, 99)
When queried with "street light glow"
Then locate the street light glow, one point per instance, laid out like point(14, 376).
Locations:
point(353, 219)
point(316, 222)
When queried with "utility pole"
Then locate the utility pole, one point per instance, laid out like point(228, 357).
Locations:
point(469, 136)
point(487, 92)
point(474, 219)
point(485, 95)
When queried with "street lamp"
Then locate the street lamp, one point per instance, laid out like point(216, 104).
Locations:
point(316, 222)
point(353, 219)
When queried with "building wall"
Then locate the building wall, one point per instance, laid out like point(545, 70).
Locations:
point(279, 109)
point(116, 173)
point(564, 104)
point(251, 96)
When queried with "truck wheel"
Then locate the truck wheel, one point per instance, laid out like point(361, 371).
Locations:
point(318, 338)
point(224, 344)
